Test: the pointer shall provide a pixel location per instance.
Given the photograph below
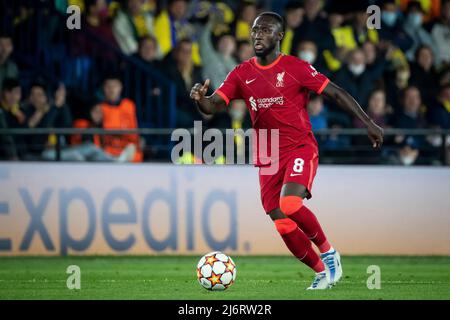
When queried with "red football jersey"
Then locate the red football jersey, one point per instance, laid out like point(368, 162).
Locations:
point(276, 96)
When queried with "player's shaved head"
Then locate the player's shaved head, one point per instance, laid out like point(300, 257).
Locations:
point(275, 18)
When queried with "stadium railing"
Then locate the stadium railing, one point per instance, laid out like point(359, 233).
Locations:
point(347, 146)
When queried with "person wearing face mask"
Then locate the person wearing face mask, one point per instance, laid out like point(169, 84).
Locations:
point(407, 154)
point(308, 51)
point(413, 27)
point(392, 27)
point(356, 78)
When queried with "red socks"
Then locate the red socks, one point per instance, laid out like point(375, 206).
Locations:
point(308, 223)
point(299, 244)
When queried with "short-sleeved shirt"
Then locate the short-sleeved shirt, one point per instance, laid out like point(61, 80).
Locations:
point(276, 96)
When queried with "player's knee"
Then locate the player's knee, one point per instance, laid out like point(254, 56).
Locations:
point(285, 226)
point(290, 204)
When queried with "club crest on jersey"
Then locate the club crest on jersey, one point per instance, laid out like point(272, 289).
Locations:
point(280, 79)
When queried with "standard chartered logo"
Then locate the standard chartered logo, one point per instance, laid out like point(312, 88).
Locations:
point(253, 103)
point(265, 102)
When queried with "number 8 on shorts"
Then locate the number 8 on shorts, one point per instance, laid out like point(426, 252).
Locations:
point(298, 165)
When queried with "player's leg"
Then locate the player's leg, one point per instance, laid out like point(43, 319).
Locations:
point(298, 179)
point(296, 241)
point(292, 204)
point(300, 246)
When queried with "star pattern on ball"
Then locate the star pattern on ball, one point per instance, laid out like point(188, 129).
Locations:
point(210, 260)
point(230, 266)
point(214, 279)
point(199, 274)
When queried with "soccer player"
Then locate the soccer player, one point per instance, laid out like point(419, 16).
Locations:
point(276, 88)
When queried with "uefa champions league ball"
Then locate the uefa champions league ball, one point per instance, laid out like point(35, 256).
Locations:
point(216, 271)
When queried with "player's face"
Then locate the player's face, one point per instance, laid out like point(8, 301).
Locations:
point(265, 34)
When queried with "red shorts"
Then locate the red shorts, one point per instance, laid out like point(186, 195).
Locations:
point(298, 166)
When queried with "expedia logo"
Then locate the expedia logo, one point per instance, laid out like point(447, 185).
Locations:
point(265, 102)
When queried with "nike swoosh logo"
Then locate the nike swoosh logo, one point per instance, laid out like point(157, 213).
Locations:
point(249, 81)
point(295, 174)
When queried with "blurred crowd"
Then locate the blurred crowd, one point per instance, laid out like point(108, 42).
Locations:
point(399, 72)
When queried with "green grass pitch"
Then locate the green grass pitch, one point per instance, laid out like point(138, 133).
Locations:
point(166, 277)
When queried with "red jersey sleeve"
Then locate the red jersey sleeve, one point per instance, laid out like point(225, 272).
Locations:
point(310, 78)
point(230, 88)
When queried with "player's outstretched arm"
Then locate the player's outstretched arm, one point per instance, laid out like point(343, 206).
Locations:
point(343, 99)
point(206, 105)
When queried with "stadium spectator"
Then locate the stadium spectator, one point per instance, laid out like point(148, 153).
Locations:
point(377, 109)
point(8, 69)
point(314, 27)
point(441, 118)
point(317, 113)
point(407, 154)
point(244, 51)
point(431, 8)
point(172, 25)
point(118, 113)
point(444, 76)
point(370, 52)
point(147, 93)
point(413, 27)
point(247, 12)
point(307, 50)
point(130, 24)
point(41, 113)
point(424, 76)
point(293, 16)
point(411, 115)
point(396, 81)
point(181, 70)
point(356, 78)
point(7, 146)
point(321, 118)
point(441, 35)
point(219, 61)
point(98, 20)
point(392, 27)
point(441, 110)
point(148, 51)
point(12, 113)
point(89, 147)
point(11, 95)
point(92, 47)
point(350, 36)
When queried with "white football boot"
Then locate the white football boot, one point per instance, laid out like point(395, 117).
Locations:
point(332, 261)
point(321, 281)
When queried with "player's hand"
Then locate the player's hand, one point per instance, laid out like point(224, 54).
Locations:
point(375, 134)
point(199, 90)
